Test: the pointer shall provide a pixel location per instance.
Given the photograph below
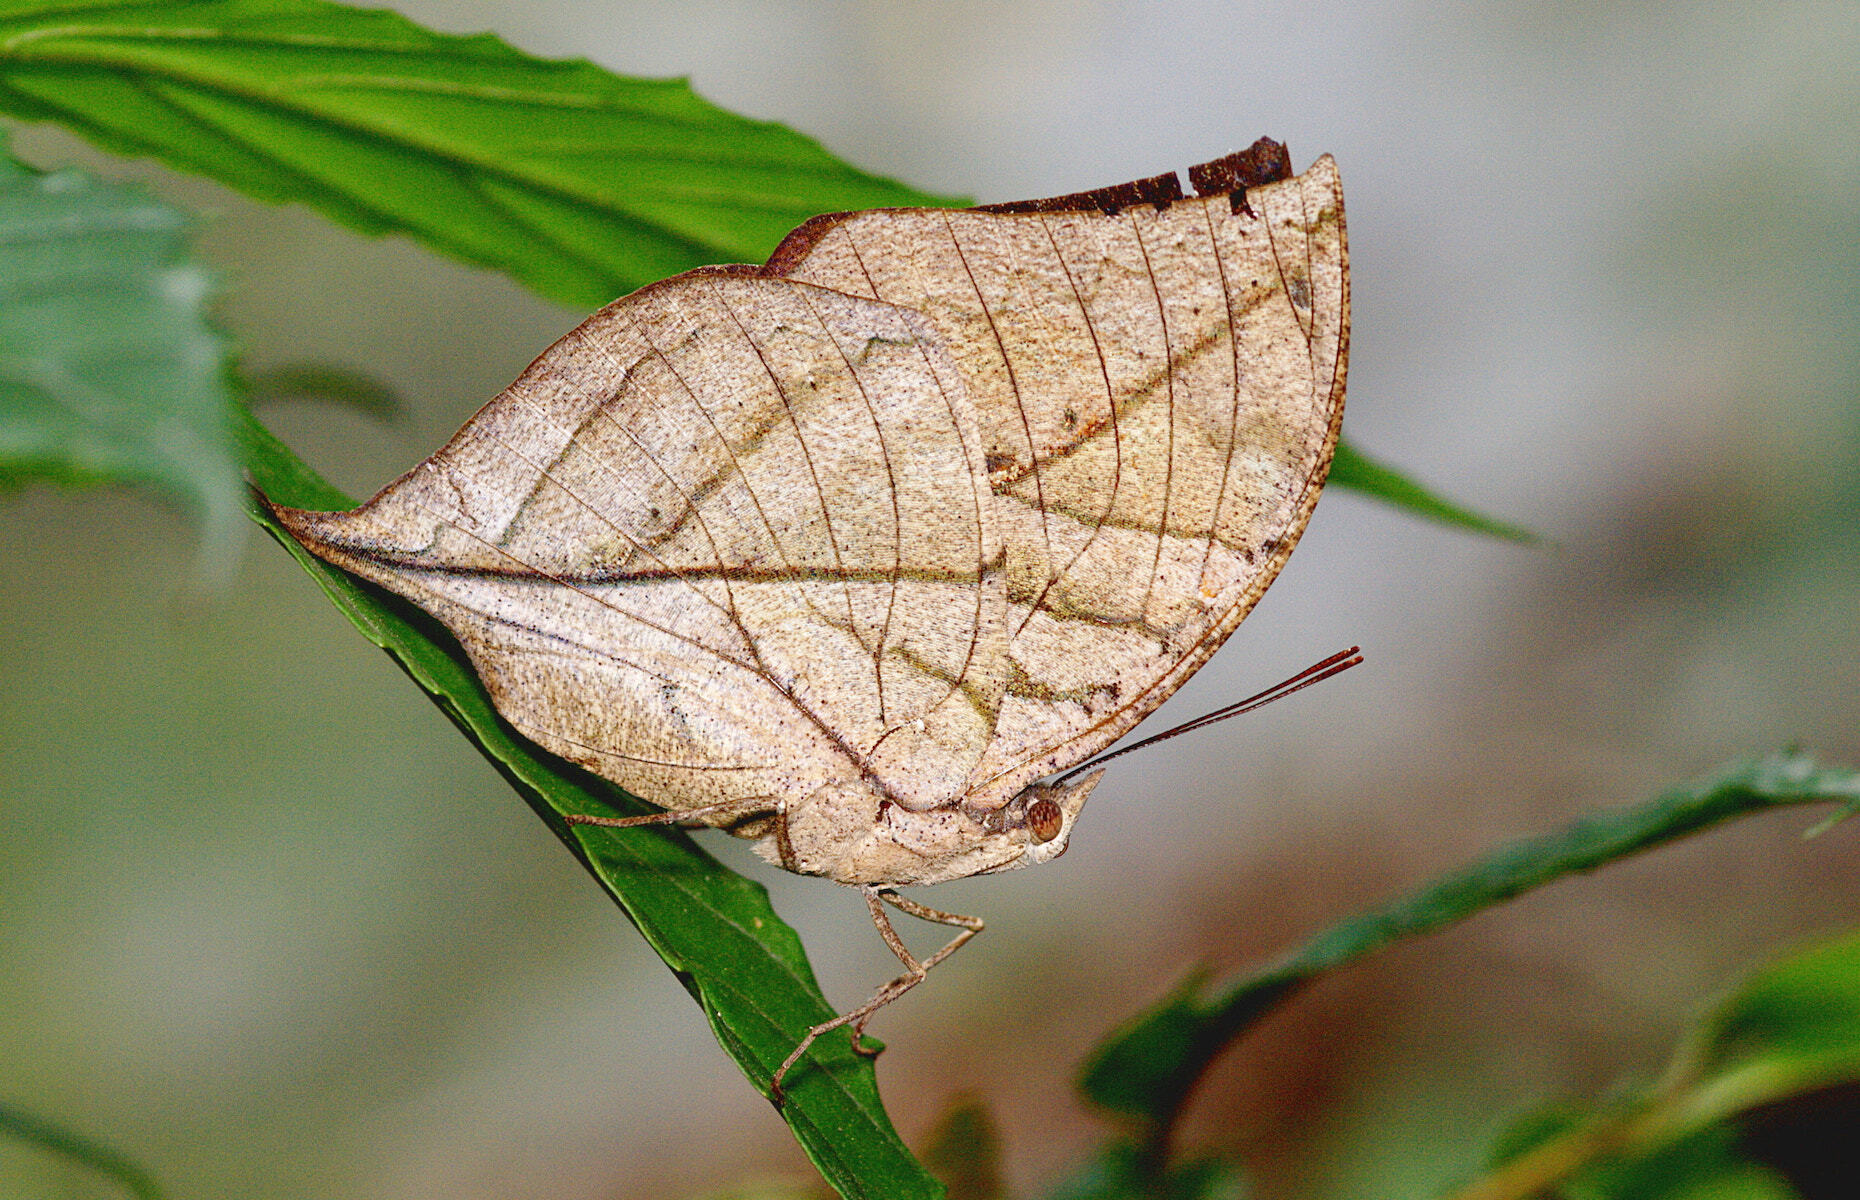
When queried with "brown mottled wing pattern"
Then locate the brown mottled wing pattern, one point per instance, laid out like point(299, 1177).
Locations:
point(934, 501)
point(1159, 382)
point(731, 538)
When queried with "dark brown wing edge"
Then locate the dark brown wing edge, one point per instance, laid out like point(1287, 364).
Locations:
point(1264, 162)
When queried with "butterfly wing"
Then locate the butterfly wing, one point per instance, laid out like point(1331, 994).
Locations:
point(1160, 385)
point(942, 501)
point(730, 538)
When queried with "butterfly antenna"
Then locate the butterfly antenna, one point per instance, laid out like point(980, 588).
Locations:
point(1317, 672)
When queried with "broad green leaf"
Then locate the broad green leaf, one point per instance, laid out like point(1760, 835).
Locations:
point(79, 1149)
point(713, 928)
point(110, 371)
point(581, 183)
point(1351, 469)
point(1146, 1069)
point(1791, 1030)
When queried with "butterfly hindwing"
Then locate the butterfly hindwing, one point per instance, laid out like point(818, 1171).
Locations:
point(730, 538)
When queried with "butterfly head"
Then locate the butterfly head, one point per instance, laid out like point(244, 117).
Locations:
point(1042, 815)
point(850, 834)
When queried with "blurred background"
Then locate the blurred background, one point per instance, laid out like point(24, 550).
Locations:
point(271, 927)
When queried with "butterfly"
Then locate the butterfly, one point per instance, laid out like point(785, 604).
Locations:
point(851, 552)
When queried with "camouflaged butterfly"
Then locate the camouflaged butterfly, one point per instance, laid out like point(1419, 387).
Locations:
point(847, 552)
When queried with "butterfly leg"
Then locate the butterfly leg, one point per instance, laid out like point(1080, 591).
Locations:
point(734, 808)
point(914, 971)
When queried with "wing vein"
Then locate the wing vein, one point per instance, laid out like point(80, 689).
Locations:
point(1233, 407)
point(1117, 445)
point(826, 516)
point(877, 653)
point(1162, 317)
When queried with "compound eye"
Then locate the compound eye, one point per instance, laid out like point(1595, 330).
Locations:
point(1044, 820)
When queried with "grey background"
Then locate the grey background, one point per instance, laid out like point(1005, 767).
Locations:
point(267, 924)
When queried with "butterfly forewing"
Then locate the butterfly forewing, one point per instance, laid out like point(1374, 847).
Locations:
point(1159, 389)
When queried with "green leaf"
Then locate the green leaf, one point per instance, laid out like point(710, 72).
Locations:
point(579, 182)
point(713, 928)
point(1790, 1032)
point(110, 371)
point(79, 1149)
point(1146, 1069)
point(964, 1151)
point(1350, 469)
point(1793, 1027)
point(1121, 1170)
point(1707, 1165)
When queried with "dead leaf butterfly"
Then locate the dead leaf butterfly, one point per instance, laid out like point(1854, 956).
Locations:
point(849, 551)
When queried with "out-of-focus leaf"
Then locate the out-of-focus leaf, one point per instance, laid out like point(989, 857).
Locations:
point(1708, 1165)
point(110, 371)
point(326, 382)
point(579, 182)
point(1122, 1170)
point(79, 1149)
point(713, 928)
point(1792, 1028)
point(1146, 1069)
point(1350, 469)
point(964, 1151)
point(1790, 1031)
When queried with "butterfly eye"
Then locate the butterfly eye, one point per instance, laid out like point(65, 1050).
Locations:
point(1044, 820)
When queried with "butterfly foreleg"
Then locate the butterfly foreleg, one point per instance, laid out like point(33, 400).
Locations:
point(914, 971)
point(731, 810)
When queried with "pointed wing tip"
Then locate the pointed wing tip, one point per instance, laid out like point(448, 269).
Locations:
point(1325, 169)
point(1265, 161)
point(309, 528)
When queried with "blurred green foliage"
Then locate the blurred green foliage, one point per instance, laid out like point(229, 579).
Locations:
point(1791, 1030)
point(84, 1152)
point(1146, 1071)
point(110, 369)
